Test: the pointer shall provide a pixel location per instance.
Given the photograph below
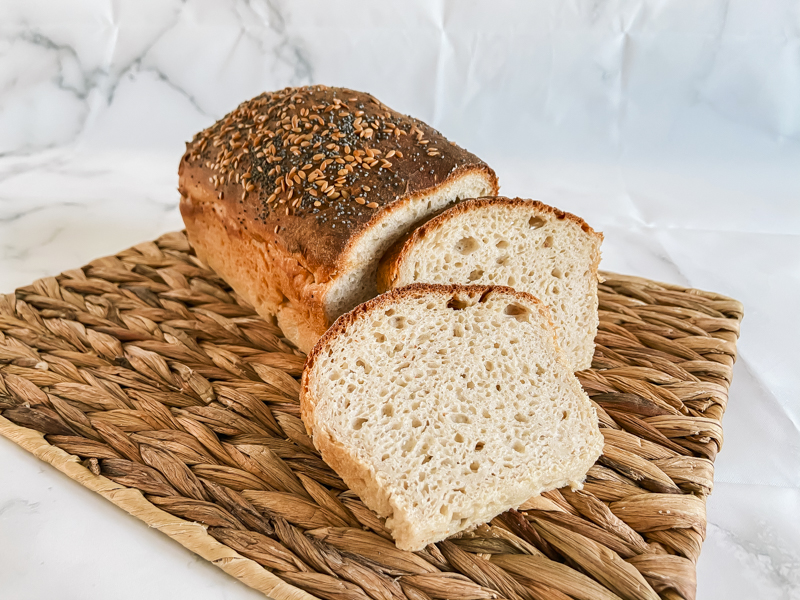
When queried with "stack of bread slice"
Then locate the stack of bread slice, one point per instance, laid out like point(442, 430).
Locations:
point(451, 397)
point(523, 244)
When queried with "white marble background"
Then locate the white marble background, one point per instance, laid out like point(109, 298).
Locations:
point(671, 125)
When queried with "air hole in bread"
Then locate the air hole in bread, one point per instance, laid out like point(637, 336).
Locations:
point(458, 330)
point(384, 458)
point(564, 415)
point(476, 274)
point(518, 446)
point(548, 242)
point(457, 304)
point(502, 244)
point(520, 313)
point(416, 423)
point(389, 312)
point(536, 222)
point(363, 365)
point(489, 365)
point(459, 418)
point(427, 459)
point(351, 388)
point(474, 466)
point(521, 418)
point(398, 322)
point(467, 245)
point(501, 260)
point(358, 423)
point(388, 410)
point(379, 337)
point(539, 370)
point(557, 273)
point(479, 446)
point(459, 439)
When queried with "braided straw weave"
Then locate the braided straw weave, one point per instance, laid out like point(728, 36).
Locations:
point(145, 378)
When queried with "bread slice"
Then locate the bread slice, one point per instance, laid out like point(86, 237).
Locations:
point(523, 244)
point(294, 197)
point(444, 405)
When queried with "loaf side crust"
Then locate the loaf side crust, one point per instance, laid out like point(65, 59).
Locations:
point(275, 280)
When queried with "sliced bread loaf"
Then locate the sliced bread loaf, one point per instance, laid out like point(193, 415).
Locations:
point(523, 244)
point(294, 197)
point(443, 406)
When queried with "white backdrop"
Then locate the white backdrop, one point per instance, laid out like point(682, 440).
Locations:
point(673, 126)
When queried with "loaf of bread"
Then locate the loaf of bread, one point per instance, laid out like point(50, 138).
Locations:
point(444, 405)
point(523, 244)
point(295, 196)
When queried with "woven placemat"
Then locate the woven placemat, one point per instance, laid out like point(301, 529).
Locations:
point(144, 377)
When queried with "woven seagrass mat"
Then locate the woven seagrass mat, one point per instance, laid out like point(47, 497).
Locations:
point(144, 377)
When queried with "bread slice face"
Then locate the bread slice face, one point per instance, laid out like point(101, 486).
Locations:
point(523, 244)
point(443, 406)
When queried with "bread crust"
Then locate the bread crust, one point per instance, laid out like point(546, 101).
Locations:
point(253, 169)
point(257, 271)
point(390, 265)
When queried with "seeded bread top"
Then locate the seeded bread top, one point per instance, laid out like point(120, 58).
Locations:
point(312, 168)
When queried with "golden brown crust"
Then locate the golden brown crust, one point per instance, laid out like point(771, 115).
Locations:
point(274, 282)
point(258, 174)
point(244, 162)
point(389, 267)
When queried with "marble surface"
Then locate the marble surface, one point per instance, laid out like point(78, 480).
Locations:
point(672, 126)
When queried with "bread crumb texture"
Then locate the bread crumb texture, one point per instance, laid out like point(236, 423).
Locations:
point(443, 406)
